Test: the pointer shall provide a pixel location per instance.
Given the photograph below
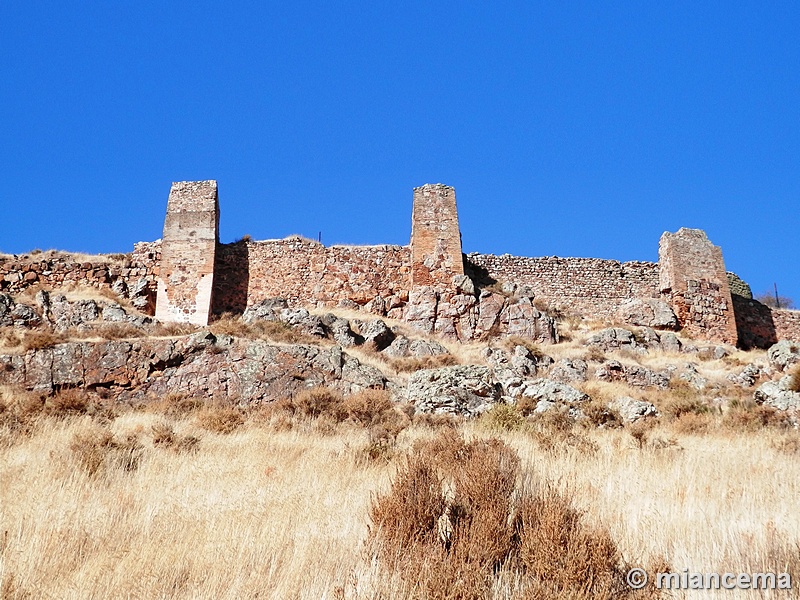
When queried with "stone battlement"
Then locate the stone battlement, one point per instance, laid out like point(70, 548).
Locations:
point(188, 276)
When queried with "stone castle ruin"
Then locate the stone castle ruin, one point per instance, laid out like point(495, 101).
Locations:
point(188, 276)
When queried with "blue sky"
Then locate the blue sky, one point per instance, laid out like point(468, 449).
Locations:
point(580, 130)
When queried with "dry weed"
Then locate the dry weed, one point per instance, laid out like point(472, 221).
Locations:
point(219, 418)
point(412, 364)
point(97, 451)
point(454, 521)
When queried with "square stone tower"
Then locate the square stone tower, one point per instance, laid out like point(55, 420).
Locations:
point(435, 237)
point(188, 251)
point(693, 279)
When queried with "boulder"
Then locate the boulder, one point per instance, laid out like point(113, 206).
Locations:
point(784, 354)
point(568, 371)
point(459, 390)
point(747, 377)
point(631, 410)
point(634, 375)
point(778, 394)
point(648, 312)
point(613, 338)
point(375, 333)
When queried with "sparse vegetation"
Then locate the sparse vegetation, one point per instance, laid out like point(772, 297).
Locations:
point(769, 299)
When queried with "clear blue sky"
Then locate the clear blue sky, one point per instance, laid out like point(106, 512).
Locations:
point(580, 130)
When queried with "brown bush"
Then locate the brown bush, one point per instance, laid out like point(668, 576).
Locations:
point(749, 416)
point(503, 417)
point(794, 384)
point(119, 331)
point(172, 329)
point(412, 364)
point(67, 401)
point(274, 331)
point(175, 404)
point(692, 423)
point(39, 340)
point(97, 451)
point(165, 437)
point(563, 556)
point(317, 401)
point(513, 341)
point(455, 519)
point(9, 337)
point(220, 418)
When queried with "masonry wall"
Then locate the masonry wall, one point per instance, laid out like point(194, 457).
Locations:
point(591, 287)
point(128, 275)
point(760, 326)
point(375, 278)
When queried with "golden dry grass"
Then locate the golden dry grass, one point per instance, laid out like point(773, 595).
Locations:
point(154, 505)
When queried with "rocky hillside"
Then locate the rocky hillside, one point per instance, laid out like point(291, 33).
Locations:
point(56, 341)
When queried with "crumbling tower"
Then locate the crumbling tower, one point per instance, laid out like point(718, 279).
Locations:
point(694, 281)
point(188, 251)
point(435, 237)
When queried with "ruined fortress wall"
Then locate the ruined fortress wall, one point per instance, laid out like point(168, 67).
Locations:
point(694, 278)
point(188, 249)
point(435, 237)
point(760, 326)
point(125, 274)
point(591, 287)
point(305, 272)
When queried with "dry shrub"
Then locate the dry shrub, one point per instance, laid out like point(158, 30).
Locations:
point(526, 405)
point(794, 384)
point(176, 405)
point(513, 341)
point(67, 401)
point(39, 340)
point(640, 432)
point(274, 331)
point(165, 437)
point(172, 329)
point(436, 421)
point(219, 418)
point(563, 556)
point(788, 444)
point(692, 423)
point(455, 520)
point(19, 413)
point(119, 331)
point(97, 451)
point(600, 415)
point(554, 431)
point(374, 410)
point(749, 416)
point(9, 337)
point(412, 364)
point(594, 354)
point(503, 417)
point(317, 401)
point(677, 406)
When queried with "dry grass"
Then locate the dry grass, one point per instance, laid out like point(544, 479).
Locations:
point(96, 508)
point(272, 331)
point(412, 364)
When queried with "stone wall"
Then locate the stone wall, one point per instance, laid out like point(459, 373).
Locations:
point(591, 287)
point(188, 250)
point(435, 237)
point(374, 278)
point(128, 275)
point(693, 277)
point(760, 326)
